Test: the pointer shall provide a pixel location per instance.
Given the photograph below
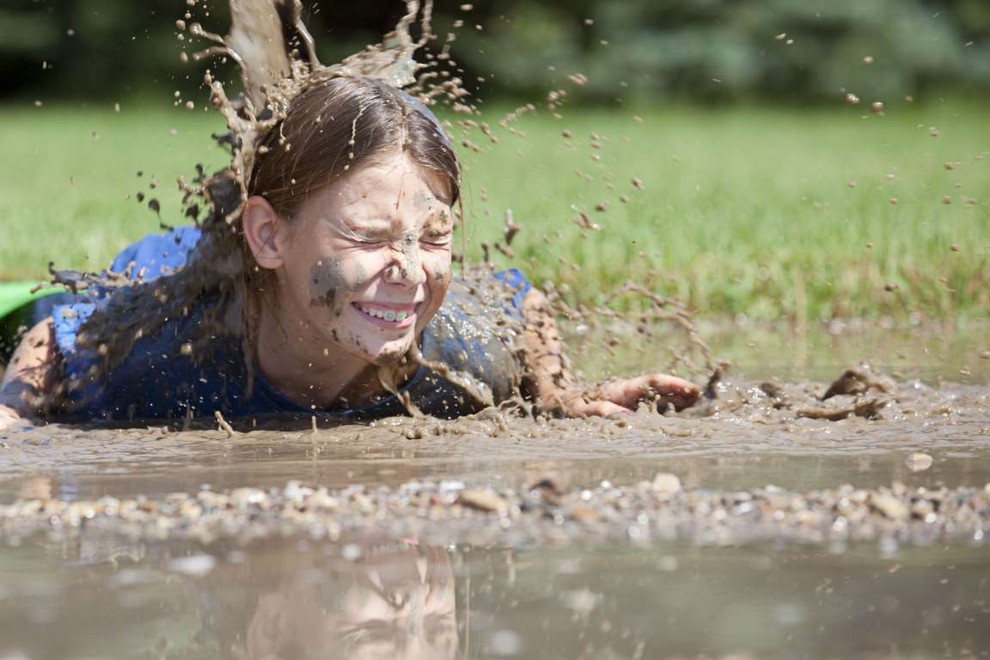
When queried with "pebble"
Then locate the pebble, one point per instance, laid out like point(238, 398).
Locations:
point(918, 462)
point(582, 513)
point(666, 484)
point(889, 506)
point(483, 499)
point(661, 510)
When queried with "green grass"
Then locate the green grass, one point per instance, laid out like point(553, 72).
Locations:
point(69, 181)
point(742, 211)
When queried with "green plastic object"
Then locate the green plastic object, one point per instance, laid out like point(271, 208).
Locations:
point(14, 295)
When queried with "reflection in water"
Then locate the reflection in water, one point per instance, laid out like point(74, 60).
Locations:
point(388, 600)
point(282, 598)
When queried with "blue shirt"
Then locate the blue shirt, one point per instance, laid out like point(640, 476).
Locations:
point(159, 380)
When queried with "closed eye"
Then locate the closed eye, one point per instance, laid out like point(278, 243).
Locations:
point(370, 240)
point(366, 237)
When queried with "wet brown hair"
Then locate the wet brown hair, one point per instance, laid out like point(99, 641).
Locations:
point(339, 125)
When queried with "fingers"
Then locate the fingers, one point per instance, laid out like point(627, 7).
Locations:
point(623, 396)
point(629, 392)
point(597, 408)
point(677, 391)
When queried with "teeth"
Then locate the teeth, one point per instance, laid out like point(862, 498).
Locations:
point(390, 316)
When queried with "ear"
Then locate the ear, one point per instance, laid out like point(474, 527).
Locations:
point(261, 224)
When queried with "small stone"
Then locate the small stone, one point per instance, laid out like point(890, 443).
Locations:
point(889, 506)
point(483, 499)
point(582, 513)
point(917, 462)
point(666, 484)
point(922, 510)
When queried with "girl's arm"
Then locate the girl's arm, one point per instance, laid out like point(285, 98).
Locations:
point(551, 383)
point(30, 375)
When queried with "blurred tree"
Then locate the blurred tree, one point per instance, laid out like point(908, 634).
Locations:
point(728, 49)
point(696, 49)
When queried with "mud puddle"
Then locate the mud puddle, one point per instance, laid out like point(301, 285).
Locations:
point(930, 395)
point(742, 528)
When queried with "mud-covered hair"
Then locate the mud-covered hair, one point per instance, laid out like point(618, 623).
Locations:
point(340, 125)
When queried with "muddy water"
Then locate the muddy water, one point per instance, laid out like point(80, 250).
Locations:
point(497, 536)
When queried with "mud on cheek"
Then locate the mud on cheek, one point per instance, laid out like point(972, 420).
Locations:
point(326, 279)
point(441, 274)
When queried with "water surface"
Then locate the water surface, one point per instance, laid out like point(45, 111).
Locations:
point(547, 590)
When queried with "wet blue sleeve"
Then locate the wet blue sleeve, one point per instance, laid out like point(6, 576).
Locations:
point(149, 258)
point(514, 278)
point(157, 254)
point(67, 320)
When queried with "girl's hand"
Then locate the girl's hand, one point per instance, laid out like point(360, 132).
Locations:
point(551, 384)
point(622, 396)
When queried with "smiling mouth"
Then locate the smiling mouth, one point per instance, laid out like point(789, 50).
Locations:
point(387, 315)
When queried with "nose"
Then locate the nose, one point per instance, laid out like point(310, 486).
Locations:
point(405, 266)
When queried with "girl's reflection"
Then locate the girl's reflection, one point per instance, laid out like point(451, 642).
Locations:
point(395, 601)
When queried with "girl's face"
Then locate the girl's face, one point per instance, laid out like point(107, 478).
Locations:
point(367, 261)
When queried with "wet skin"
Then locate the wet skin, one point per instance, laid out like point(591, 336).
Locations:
point(361, 268)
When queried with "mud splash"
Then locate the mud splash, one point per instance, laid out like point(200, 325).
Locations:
point(274, 71)
point(276, 57)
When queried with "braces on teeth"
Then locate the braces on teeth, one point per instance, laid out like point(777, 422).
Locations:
point(388, 316)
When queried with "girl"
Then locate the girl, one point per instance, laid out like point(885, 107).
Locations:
point(326, 290)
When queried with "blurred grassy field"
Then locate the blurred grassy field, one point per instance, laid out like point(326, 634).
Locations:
point(769, 213)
